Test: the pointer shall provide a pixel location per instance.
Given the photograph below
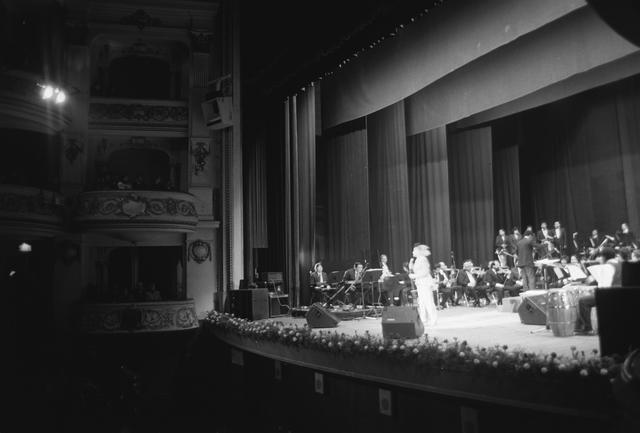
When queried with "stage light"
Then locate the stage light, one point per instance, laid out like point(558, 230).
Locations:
point(47, 92)
point(12, 273)
point(61, 97)
point(24, 247)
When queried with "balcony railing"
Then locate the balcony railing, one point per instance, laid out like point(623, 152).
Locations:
point(120, 113)
point(160, 316)
point(133, 211)
point(30, 212)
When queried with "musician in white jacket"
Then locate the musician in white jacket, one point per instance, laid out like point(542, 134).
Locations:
point(421, 274)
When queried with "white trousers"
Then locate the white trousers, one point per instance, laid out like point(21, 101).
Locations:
point(426, 306)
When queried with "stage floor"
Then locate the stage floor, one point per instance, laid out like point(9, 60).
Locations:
point(483, 327)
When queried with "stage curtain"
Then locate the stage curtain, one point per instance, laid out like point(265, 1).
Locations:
point(506, 176)
point(301, 146)
point(343, 188)
point(628, 110)
point(390, 222)
point(429, 191)
point(581, 158)
point(471, 186)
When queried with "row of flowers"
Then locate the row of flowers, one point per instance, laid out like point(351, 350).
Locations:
point(430, 353)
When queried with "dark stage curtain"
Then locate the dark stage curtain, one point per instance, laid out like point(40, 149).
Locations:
point(582, 165)
point(343, 181)
point(471, 185)
point(506, 178)
point(301, 147)
point(429, 191)
point(389, 218)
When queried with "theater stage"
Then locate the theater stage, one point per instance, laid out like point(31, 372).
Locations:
point(483, 327)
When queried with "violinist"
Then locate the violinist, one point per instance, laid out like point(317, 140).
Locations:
point(513, 282)
point(626, 238)
point(470, 279)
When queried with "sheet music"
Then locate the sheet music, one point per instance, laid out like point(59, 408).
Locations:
point(603, 274)
point(576, 272)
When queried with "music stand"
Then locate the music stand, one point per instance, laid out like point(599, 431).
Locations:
point(370, 277)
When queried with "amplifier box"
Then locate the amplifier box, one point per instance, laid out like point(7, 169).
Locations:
point(401, 322)
point(252, 304)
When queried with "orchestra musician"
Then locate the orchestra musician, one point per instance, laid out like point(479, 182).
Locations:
point(560, 237)
point(512, 248)
point(513, 282)
point(501, 245)
point(549, 250)
point(353, 278)
point(470, 279)
point(384, 265)
point(421, 275)
point(442, 277)
point(626, 238)
point(544, 233)
point(319, 277)
point(495, 278)
point(597, 242)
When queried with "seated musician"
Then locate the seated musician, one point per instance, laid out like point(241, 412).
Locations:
point(384, 265)
point(441, 275)
point(635, 256)
point(353, 279)
point(559, 275)
point(513, 282)
point(472, 283)
point(495, 279)
point(319, 277)
point(586, 303)
point(549, 250)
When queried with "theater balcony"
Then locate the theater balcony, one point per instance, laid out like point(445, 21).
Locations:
point(136, 215)
point(23, 107)
point(137, 317)
point(28, 212)
point(166, 116)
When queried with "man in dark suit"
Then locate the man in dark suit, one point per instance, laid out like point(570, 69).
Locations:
point(495, 280)
point(512, 247)
point(544, 233)
point(319, 277)
point(353, 279)
point(526, 247)
point(472, 283)
point(560, 237)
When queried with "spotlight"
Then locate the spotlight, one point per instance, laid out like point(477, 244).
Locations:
point(47, 92)
point(12, 273)
point(24, 247)
point(61, 97)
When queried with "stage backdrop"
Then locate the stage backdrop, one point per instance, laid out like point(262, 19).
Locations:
point(580, 159)
point(390, 224)
point(471, 186)
point(428, 170)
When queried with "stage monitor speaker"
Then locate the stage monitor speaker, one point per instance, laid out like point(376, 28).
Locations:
point(617, 312)
point(401, 322)
point(319, 317)
point(533, 310)
point(252, 304)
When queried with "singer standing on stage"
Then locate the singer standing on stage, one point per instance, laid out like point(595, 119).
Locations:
point(421, 274)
